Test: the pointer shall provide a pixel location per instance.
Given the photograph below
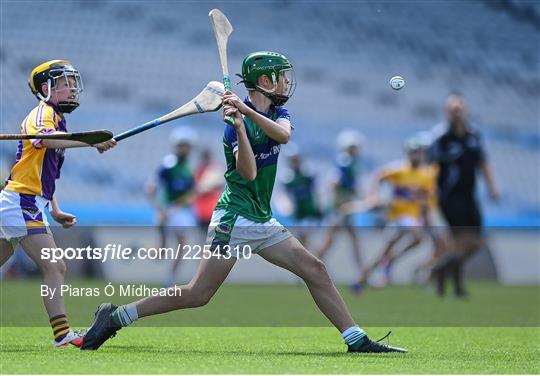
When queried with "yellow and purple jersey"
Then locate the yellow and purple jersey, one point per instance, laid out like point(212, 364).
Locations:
point(36, 168)
point(413, 189)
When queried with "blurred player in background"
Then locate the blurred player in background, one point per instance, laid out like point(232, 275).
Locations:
point(243, 217)
point(209, 184)
point(345, 189)
point(172, 192)
point(299, 182)
point(459, 154)
point(413, 185)
point(434, 224)
point(30, 188)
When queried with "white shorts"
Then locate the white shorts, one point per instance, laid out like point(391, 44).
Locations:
point(406, 221)
point(178, 218)
point(21, 215)
point(227, 228)
point(402, 225)
point(306, 226)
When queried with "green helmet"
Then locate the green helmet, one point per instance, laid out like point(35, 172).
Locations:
point(271, 65)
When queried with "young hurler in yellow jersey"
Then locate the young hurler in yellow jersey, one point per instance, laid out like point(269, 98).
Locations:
point(29, 190)
point(413, 185)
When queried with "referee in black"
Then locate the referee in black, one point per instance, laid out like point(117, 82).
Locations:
point(460, 155)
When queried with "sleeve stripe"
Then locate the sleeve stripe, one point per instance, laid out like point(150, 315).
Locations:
point(25, 130)
point(37, 115)
point(41, 122)
point(37, 142)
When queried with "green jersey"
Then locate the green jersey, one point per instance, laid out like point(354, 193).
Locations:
point(301, 187)
point(348, 178)
point(175, 178)
point(251, 199)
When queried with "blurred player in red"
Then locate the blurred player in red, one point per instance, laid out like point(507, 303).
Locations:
point(209, 183)
point(30, 188)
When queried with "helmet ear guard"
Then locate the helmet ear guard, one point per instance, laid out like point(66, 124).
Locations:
point(41, 97)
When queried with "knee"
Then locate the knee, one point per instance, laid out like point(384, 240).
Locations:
point(198, 297)
point(203, 299)
point(470, 243)
point(6, 249)
point(477, 243)
point(315, 272)
point(58, 268)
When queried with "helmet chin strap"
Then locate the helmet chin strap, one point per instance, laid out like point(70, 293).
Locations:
point(276, 99)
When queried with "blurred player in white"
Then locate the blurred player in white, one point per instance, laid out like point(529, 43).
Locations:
point(345, 190)
point(30, 188)
point(172, 191)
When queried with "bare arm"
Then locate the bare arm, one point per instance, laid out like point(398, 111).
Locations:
point(490, 182)
point(54, 204)
point(65, 219)
point(65, 144)
point(62, 144)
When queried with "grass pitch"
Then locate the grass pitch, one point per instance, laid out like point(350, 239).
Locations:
point(275, 351)
point(496, 331)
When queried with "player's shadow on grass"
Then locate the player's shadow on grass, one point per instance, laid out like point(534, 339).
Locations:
point(149, 349)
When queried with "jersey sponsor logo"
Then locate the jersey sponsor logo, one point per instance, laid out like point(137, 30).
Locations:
point(273, 151)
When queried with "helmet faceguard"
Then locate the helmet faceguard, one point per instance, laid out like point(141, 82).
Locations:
point(276, 68)
point(415, 149)
point(49, 73)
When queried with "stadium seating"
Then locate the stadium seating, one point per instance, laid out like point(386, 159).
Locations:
point(140, 60)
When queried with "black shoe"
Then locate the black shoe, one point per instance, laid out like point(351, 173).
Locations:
point(102, 328)
point(370, 346)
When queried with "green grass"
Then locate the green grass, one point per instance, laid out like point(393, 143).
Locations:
point(278, 329)
point(490, 305)
point(275, 350)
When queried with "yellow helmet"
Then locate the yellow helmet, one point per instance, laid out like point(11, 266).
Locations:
point(48, 73)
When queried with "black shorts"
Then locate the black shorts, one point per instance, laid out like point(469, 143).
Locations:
point(462, 213)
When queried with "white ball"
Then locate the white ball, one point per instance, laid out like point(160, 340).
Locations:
point(397, 82)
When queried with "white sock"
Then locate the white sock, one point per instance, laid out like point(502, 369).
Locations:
point(353, 335)
point(127, 314)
